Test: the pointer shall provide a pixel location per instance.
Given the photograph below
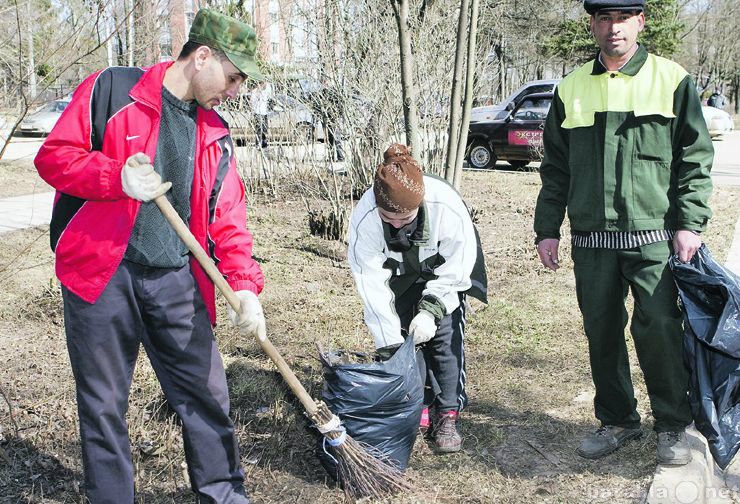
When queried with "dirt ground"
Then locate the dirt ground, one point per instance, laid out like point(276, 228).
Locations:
point(528, 375)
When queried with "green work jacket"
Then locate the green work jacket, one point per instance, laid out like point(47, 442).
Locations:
point(625, 150)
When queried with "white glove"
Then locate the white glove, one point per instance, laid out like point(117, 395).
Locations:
point(250, 320)
point(423, 327)
point(140, 181)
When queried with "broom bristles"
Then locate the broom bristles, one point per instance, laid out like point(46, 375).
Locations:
point(365, 471)
point(362, 469)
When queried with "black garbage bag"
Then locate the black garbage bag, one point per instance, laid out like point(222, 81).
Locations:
point(710, 296)
point(379, 403)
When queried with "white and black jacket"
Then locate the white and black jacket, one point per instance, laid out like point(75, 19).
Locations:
point(446, 260)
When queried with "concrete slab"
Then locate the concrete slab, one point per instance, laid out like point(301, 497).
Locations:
point(698, 482)
point(732, 478)
point(25, 211)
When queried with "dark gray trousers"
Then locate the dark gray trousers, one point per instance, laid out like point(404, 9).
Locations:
point(163, 310)
point(261, 127)
point(441, 362)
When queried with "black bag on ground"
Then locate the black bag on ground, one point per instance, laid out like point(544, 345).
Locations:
point(379, 403)
point(710, 295)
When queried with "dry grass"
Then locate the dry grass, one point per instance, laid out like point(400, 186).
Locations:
point(529, 380)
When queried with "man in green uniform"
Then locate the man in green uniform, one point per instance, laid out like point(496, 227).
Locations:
point(628, 154)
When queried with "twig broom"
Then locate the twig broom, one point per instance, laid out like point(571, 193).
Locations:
point(362, 470)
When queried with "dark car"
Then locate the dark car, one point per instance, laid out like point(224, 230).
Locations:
point(501, 110)
point(517, 138)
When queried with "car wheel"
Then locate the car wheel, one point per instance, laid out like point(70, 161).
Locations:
point(481, 155)
point(518, 164)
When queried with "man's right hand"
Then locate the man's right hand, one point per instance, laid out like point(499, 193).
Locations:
point(547, 249)
point(423, 327)
point(140, 181)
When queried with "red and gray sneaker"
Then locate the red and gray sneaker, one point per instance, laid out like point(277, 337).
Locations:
point(424, 423)
point(447, 438)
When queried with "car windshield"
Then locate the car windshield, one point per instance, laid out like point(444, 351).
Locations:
point(56, 106)
point(537, 88)
point(533, 109)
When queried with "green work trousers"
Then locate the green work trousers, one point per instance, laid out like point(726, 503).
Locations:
point(603, 279)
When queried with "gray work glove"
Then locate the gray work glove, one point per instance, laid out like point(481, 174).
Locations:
point(140, 181)
point(422, 327)
point(250, 320)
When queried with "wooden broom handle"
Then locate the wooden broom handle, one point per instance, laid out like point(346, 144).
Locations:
point(210, 268)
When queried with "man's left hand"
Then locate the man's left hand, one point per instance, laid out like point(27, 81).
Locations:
point(250, 319)
point(685, 244)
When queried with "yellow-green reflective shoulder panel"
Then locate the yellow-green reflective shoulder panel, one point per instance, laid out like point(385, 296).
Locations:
point(650, 92)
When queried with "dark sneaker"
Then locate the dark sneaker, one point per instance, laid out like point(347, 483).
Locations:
point(673, 448)
point(447, 438)
point(605, 440)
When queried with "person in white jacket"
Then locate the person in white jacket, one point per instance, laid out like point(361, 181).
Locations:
point(260, 101)
point(415, 254)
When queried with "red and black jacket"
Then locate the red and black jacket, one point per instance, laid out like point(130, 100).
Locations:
point(114, 114)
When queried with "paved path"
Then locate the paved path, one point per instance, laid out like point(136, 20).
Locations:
point(25, 211)
point(726, 169)
point(22, 148)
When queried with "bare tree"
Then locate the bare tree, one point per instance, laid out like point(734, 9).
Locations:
point(55, 46)
point(457, 77)
point(710, 49)
point(408, 87)
point(469, 85)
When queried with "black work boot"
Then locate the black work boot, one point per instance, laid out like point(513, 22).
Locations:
point(673, 448)
point(606, 440)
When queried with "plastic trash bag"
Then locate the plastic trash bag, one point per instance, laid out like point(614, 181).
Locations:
point(379, 403)
point(710, 295)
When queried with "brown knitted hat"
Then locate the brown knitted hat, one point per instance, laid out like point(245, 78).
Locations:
point(399, 182)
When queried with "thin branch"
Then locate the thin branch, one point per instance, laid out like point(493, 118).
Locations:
point(10, 410)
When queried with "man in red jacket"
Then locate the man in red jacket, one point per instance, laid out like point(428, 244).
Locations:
point(127, 279)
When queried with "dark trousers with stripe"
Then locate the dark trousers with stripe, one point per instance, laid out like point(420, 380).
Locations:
point(441, 362)
point(603, 279)
point(261, 127)
point(162, 310)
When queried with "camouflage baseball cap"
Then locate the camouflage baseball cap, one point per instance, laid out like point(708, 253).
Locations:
point(236, 39)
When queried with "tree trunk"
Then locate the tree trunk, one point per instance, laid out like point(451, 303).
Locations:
point(110, 26)
point(453, 134)
point(469, 83)
point(502, 71)
point(130, 32)
point(178, 37)
point(408, 88)
point(31, 58)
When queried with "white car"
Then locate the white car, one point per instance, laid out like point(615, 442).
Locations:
point(289, 120)
point(718, 121)
point(500, 111)
point(43, 120)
